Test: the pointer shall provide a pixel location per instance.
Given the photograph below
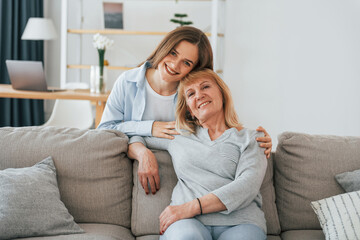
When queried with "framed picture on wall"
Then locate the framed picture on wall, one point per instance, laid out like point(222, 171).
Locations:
point(113, 15)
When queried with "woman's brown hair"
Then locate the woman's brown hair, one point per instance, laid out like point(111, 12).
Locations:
point(191, 35)
point(183, 118)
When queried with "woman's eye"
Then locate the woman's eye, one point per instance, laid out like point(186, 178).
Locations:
point(190, 94)
point(206, 86)
point(173, 53)
point(187, 64)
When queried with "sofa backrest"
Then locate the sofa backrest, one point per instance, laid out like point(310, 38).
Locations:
point(146, 209)
point(94, 175)
point(305, 169)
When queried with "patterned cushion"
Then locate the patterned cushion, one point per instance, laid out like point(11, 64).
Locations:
point(339, 216)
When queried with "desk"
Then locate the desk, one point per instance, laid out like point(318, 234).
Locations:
point(6, 91)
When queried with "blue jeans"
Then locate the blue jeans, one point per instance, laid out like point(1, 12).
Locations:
point(188, 229)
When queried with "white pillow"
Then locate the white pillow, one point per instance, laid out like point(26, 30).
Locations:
point(339, 216)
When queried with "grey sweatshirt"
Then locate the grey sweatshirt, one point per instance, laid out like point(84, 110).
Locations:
point(232, 167)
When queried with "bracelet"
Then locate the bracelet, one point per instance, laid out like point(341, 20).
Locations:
point(200, 206)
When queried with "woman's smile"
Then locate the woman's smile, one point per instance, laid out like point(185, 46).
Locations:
point(169, 70)
point(204, 104)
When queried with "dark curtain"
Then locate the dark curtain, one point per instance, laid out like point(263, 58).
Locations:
point(13, 18)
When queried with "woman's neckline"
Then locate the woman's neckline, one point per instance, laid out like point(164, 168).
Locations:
point(224, 135)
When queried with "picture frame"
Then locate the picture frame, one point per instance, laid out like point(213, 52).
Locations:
point(113, 15)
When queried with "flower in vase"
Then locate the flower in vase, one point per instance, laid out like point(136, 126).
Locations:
point(101, 43)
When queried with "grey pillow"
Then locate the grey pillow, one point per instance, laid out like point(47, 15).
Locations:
point(349, 181)
point(30, 203)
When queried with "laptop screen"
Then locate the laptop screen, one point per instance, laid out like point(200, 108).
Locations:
point(26, 75)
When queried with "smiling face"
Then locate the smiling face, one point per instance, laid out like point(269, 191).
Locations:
point(179, 62)
point(204, 99)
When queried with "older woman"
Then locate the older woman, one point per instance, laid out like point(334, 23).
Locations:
point(219, 166)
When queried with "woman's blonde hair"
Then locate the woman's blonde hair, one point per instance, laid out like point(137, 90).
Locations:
point(191, 35)
point(183, 118)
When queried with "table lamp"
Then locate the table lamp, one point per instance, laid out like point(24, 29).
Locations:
point(39, 29)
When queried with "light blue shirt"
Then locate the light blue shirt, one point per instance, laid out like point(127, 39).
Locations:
point(126, 104)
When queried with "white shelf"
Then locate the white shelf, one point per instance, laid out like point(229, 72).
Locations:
point(123, 32)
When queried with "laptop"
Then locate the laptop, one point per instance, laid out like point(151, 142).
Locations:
point(28, 75)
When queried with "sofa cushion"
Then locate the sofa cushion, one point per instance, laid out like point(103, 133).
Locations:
point(268, 196)
point(148, 237)
point(94, 232)
point(303, 235)
point(30, 203)
point(273, 237)
point(146, 209)
point(349, 181)
point(305, 169)
point(94, 175)
point(339, 215)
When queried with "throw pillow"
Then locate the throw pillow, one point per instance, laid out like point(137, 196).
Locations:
point(30, 203)
point(339, 216)
point(349, 181)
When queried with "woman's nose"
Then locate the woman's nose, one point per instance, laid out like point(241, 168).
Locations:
point(199, 95)
point(176, 65)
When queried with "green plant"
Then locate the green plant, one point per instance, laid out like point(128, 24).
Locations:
point(180, 20)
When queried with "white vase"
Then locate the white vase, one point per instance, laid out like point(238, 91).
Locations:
point(95, 80)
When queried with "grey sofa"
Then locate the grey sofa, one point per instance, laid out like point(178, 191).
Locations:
point(99, 185)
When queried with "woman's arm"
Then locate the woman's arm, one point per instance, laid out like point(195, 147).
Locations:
point(114, 115)
point(249, 176)
point(148, 171)
point(114, 112)
point(265, 142)
point(206, 204)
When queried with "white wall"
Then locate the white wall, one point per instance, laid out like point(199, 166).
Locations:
point(52, 52)
point(292, 65)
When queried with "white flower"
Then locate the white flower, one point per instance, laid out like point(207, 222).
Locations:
point(102, 42)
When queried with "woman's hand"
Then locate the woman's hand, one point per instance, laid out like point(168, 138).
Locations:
point(265, 142)
point(172, 214)
point(164, 129)
point(209, 203)
point(148, 171)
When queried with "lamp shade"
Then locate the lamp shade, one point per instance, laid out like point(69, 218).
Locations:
point(39, 29)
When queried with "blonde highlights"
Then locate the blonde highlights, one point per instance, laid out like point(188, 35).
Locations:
point(183, 118)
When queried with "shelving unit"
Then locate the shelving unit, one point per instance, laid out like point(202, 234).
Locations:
point(214, 35)
point(117, 32)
